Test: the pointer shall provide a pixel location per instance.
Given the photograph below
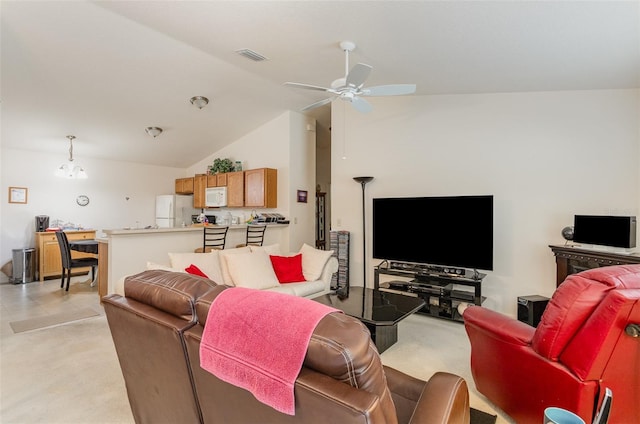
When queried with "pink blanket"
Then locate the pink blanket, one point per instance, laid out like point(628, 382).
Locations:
point(257, 340)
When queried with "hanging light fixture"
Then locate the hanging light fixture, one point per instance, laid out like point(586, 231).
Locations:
point(199, 101)
point(69, 169)
point(153, 131)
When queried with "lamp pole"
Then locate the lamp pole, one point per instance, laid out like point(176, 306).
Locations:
point(363, 181)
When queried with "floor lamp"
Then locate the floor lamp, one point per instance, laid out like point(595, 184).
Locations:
point(363, 181)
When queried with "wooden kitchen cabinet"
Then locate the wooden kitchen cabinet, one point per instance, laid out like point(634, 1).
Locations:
point(261, 188)
point(217, 180)
point(48, 252)
point(235, 189)
point(184, 185)
point(199, 188)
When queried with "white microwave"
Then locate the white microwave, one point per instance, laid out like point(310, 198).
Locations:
point(216, 197)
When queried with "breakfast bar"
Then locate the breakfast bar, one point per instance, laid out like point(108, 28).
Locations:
point(129, 250)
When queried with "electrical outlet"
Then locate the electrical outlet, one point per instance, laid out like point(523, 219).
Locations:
point(339, 222)
point(295, 220)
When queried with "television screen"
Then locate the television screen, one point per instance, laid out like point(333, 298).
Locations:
point(455, 231)
point(614, 231)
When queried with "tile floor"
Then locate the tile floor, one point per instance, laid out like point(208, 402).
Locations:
point(70, 373)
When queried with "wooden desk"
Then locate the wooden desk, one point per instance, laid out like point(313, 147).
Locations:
point(48, 252)
point(572, 259)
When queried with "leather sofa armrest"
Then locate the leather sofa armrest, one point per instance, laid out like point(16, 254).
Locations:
point(444, 399)
point(403, 385)
point(498, 326)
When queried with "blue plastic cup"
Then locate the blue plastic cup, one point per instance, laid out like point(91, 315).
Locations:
point(554, 415)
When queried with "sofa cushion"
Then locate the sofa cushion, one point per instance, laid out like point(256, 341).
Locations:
point(303, 289)
point(208, 263)
point(153, 265)
point(313, 261)
point(251, 270)
point(272, 249)
point(224, 268)
point(194, 270)
point(288, 269)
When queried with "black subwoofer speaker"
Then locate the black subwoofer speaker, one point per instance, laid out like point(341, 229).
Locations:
point(530, 309)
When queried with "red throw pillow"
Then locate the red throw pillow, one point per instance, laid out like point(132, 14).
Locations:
point(288, 269)
point(194, 270)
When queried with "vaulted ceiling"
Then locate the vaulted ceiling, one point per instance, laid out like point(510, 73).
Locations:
point(103, 71)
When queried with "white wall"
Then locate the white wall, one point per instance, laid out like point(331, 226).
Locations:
point(287, 145)
point(108, 186)
point(544, 157)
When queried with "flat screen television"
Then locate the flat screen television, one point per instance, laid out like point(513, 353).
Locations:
point(613, 231)
point(454, 231)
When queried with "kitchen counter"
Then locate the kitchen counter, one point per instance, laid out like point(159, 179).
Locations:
point(130, 250)
point(122, 231)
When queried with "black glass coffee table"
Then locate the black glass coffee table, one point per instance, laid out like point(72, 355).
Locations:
point(379, 311)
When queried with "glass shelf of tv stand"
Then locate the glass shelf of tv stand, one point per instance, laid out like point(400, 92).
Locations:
point(441, 292)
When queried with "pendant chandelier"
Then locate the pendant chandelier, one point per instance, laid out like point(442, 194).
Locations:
point(69, 169)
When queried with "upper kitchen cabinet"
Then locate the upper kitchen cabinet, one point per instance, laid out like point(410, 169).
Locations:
point(261, 188)
point(235, 189)
point(184, 185)
point(199, 188)
point(217, 180)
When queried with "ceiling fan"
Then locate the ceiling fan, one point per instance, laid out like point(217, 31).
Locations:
point(351, 87)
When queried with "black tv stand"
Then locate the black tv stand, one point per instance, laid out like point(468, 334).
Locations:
point(441, 291)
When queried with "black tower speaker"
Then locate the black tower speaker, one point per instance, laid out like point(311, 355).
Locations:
point(530, 309)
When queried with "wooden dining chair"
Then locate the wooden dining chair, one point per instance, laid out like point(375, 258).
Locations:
point(255, 235)
point(68, 263)
point(213, 238)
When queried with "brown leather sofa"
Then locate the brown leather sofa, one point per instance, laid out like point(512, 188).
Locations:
point(157, 327)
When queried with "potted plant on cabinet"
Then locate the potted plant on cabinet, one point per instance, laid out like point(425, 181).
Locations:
point(221, 166)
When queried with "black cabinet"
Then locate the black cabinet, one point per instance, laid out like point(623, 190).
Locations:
point(443, 293)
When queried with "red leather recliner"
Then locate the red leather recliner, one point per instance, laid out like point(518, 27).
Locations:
point(587, 340)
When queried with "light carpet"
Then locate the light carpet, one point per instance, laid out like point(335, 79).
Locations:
point(51, 320)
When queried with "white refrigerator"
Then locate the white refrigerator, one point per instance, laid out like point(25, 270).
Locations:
point(173, 210)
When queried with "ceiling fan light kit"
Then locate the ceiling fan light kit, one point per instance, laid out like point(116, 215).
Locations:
point(350, 87)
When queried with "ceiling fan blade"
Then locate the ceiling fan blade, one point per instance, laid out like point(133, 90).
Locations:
point(317, 104)
point(389, 90)
point(358, 75)
point(361, 105)
point(308, 86)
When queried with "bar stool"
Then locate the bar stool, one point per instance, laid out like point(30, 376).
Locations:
point(213, 238)
point(255, 235)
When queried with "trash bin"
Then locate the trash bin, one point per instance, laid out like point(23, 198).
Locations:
point(24, 265)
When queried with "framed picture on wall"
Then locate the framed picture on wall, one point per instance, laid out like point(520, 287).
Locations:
point(302, 196)
point(17, 195)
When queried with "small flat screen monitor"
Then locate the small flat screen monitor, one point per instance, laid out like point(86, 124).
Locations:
point(601, 230)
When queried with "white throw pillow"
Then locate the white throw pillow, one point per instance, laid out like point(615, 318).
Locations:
point(224, 254)
point(153, 265)
point(252, 270)
point(313, 261)
point(272, 249)
point(209, 263)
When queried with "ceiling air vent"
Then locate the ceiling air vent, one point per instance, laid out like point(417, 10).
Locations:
point(250, 54)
